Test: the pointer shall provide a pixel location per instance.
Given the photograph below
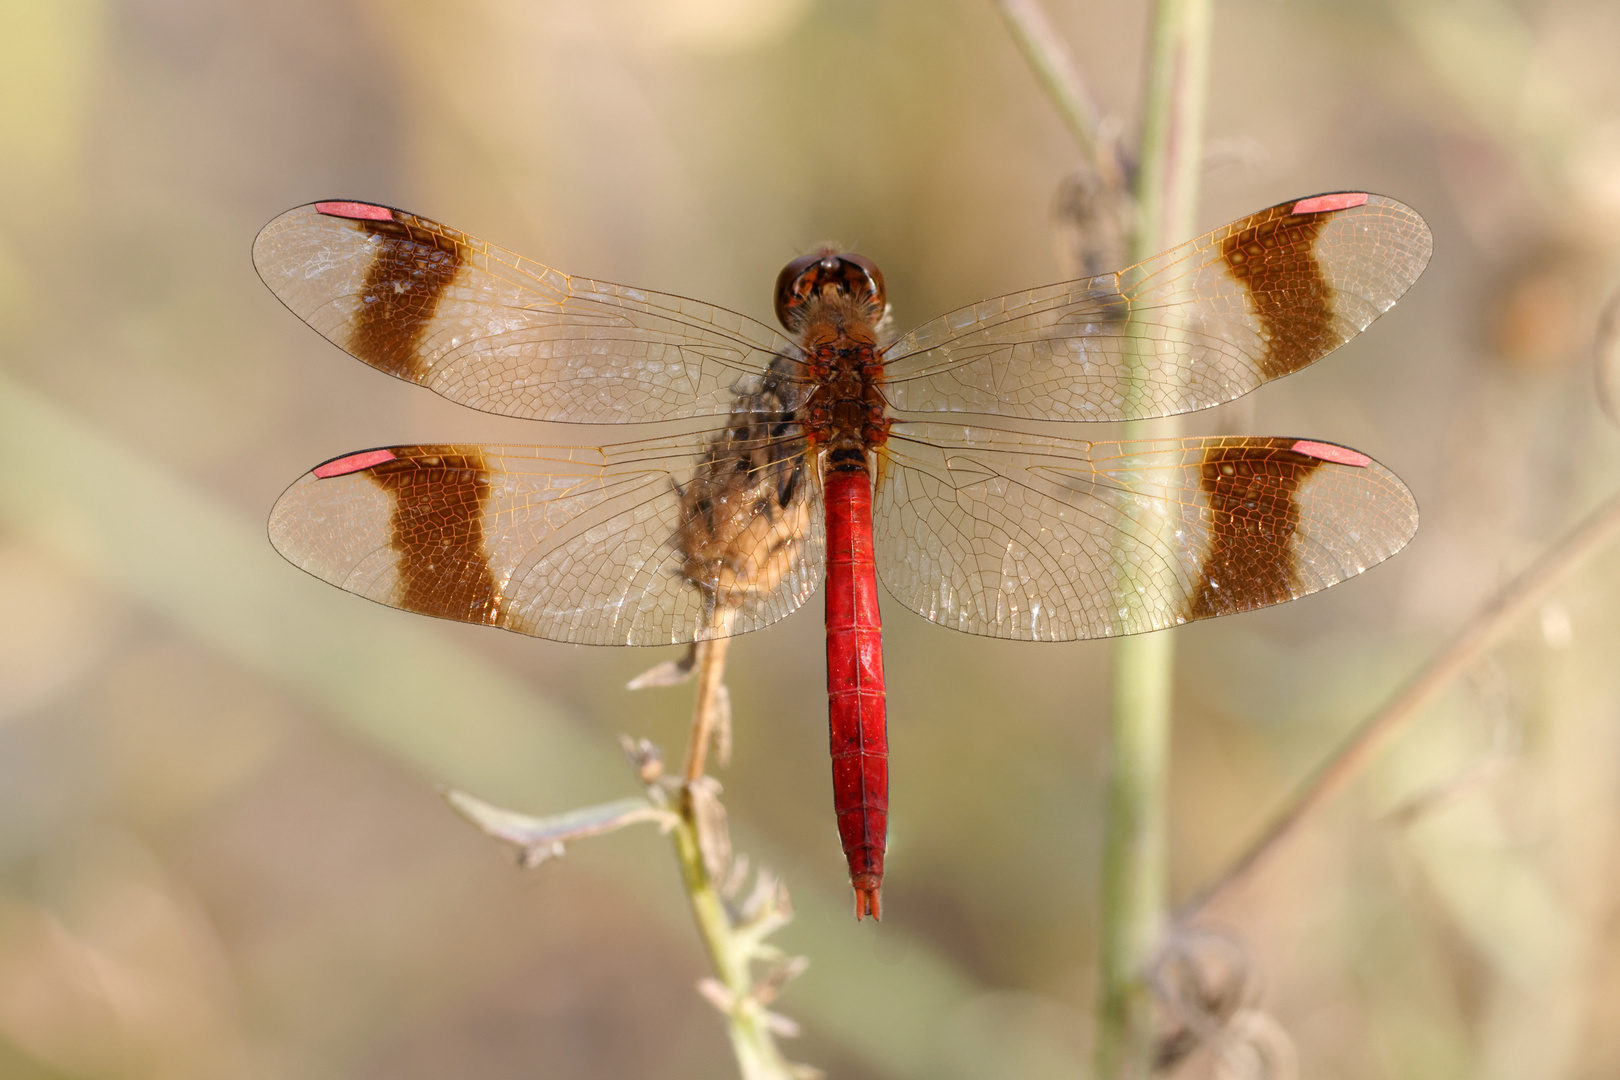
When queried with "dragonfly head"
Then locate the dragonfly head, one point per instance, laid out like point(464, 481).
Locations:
point(826, 273)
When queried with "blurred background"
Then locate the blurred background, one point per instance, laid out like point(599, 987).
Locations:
point(221, 851)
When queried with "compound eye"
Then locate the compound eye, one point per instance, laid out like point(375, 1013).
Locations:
point(869, 289)
point(793, 287)
point(853, 276)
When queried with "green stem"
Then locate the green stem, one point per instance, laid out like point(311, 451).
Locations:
point(1172, 126)
point(751, 1040)
point(732, 952)
point(1133, 871)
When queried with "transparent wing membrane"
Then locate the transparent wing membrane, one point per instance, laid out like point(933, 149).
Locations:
point(983, 530)
point(583, 545)
point(501, 333)
point(1037, 538)
point(1204, 323)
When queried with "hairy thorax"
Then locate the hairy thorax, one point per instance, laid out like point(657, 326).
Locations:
point(845, 416)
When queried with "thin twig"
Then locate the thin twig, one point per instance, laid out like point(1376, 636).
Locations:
point(705, 712)
point(1049, 58)
point(1352, 756)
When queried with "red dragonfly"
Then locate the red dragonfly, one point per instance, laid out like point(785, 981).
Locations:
point(835, 454)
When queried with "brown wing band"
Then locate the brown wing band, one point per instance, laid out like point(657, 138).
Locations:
point(438, 532)
point(409, 273)
point(1273, 259)
point(1253, 516)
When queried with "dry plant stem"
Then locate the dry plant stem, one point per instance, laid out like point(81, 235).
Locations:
point(746, 1022)
point(711, 665)
point(1049, 58)
point(1133, 871)
point(1374, 734)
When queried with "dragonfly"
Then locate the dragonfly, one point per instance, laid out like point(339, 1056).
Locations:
point(833, 454)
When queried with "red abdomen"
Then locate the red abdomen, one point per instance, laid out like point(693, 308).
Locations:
point(855, 704)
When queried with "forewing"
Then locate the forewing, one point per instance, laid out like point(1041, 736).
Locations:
point(498, 332)
point(1200, 324)
point(572, 544)
point(1021, 536)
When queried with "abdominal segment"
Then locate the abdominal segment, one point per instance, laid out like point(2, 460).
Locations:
point(855, 697)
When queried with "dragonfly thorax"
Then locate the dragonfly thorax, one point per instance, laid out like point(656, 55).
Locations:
point(845, 415)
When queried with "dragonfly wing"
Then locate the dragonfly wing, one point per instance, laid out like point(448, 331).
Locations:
point(588, 545)
point(1203, 323)
point(1034, 538)
point(498, 332)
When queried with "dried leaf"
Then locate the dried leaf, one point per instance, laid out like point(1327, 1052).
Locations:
point(714, 837)
point(543, 838)
point(644, 757)
point(535, 854)
point(669, 673)
point(767, 909)
point(722, 725)
point(716, 994)
point(768, 987)
point(735, 878)
point(764, 888)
